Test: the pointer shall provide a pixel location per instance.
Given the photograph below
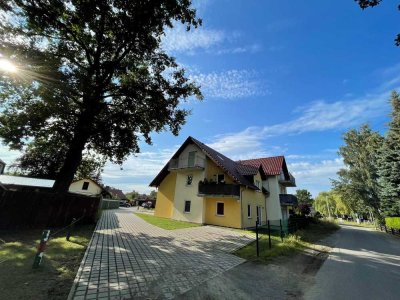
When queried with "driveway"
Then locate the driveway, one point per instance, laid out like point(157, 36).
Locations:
point(128, 258)
point(364, 264)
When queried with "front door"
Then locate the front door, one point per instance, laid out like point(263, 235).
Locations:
point(259, 215)
point(191, 158)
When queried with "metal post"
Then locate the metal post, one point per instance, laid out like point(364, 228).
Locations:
point(280, 225)
point(269, 235)
point(41, 248)
point(70, 228)
point(258, 252)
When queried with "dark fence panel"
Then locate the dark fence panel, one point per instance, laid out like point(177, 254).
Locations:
point(19, 209)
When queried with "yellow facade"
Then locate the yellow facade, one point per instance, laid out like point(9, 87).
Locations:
point(165, 197)
point(231, 217)
point(212, 170)
point(173, 192)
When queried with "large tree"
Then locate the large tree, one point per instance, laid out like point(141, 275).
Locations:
point(91, 72)
point(359, 180)
point(371, 3)
point(304, 197)
point(389, 163)
point(44, 159)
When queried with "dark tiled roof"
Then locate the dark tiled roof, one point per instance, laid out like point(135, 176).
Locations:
point(246, 169)
point(116, 193)
point(232, 168)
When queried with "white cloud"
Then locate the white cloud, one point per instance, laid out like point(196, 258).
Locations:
point(315, 175)
point(318, 116)
point(180, 40)
point(232, 84)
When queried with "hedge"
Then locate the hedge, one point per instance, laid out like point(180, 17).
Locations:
point(393, 222)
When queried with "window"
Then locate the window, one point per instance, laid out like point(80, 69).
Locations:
point(187, 206)
point(249, 211)
point(189, 179)
point(191, 158)
point(220, 178)
point(85, 185)
point(220, 208)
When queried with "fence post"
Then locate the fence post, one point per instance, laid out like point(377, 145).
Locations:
point(70, 228)
point(280, 225)
point(42, 246)
point(269, 235)
point(258, 252)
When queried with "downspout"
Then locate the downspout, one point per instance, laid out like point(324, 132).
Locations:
point(241, 208)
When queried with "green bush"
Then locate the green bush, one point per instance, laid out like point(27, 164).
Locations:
point(393, 222)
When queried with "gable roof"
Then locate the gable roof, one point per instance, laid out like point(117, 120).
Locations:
point(271, 165)
point(235, 170)
point(119, 194)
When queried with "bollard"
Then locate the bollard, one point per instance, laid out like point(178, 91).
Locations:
point(41, 248)
point(70, 228)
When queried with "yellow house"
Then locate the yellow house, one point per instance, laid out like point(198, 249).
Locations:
point(201, 185)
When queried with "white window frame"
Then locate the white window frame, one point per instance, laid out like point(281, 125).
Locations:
point(187, 184)
point(190, 207)
point(251, 211)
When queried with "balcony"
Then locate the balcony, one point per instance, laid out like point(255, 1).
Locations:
point(288, 200)
point(219, 190)
point(285, 182)
point(192, 163)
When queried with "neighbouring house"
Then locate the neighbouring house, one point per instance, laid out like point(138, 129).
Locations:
point(86, 187)
point(201, 185)
point(116, 193)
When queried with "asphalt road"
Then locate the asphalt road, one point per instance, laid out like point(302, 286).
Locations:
point(364, 264)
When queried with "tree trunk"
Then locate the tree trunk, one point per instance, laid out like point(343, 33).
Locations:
point(74, 154)
point(71, 164)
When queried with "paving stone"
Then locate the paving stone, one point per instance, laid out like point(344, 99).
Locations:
point(127, 257)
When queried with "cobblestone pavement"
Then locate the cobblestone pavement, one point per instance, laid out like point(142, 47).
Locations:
point(129, 258)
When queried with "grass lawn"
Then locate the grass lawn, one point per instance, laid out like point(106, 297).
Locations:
point(363, 224)
point(302, 239)
point(54, 278)
point(164, 223)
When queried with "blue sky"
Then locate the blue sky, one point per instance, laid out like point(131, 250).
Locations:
point(279, 78)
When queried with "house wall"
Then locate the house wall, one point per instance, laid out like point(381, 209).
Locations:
point(231, 216)
point(254, 199)
point(93, 188)
point(212, 170)
point(273, 203)
point(185, 192)
point(165, 196)
point(184, 156)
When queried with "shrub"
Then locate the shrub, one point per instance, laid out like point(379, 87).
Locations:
point(393, 222)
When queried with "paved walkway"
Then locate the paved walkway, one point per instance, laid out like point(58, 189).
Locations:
point(128, 258)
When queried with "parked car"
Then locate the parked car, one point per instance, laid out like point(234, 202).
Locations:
point(124, 203)
point(147, 204)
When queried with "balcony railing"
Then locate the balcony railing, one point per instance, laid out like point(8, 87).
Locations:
point(287, 182)
point(223, 189)
point(186, 163)
point(288, 199)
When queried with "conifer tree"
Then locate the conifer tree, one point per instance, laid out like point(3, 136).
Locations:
point(389, 163)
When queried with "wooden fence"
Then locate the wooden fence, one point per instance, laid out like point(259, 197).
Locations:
point(22, 209)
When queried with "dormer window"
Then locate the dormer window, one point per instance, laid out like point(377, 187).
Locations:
point(220, 178)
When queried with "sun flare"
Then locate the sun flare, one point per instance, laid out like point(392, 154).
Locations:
point(7, 66)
